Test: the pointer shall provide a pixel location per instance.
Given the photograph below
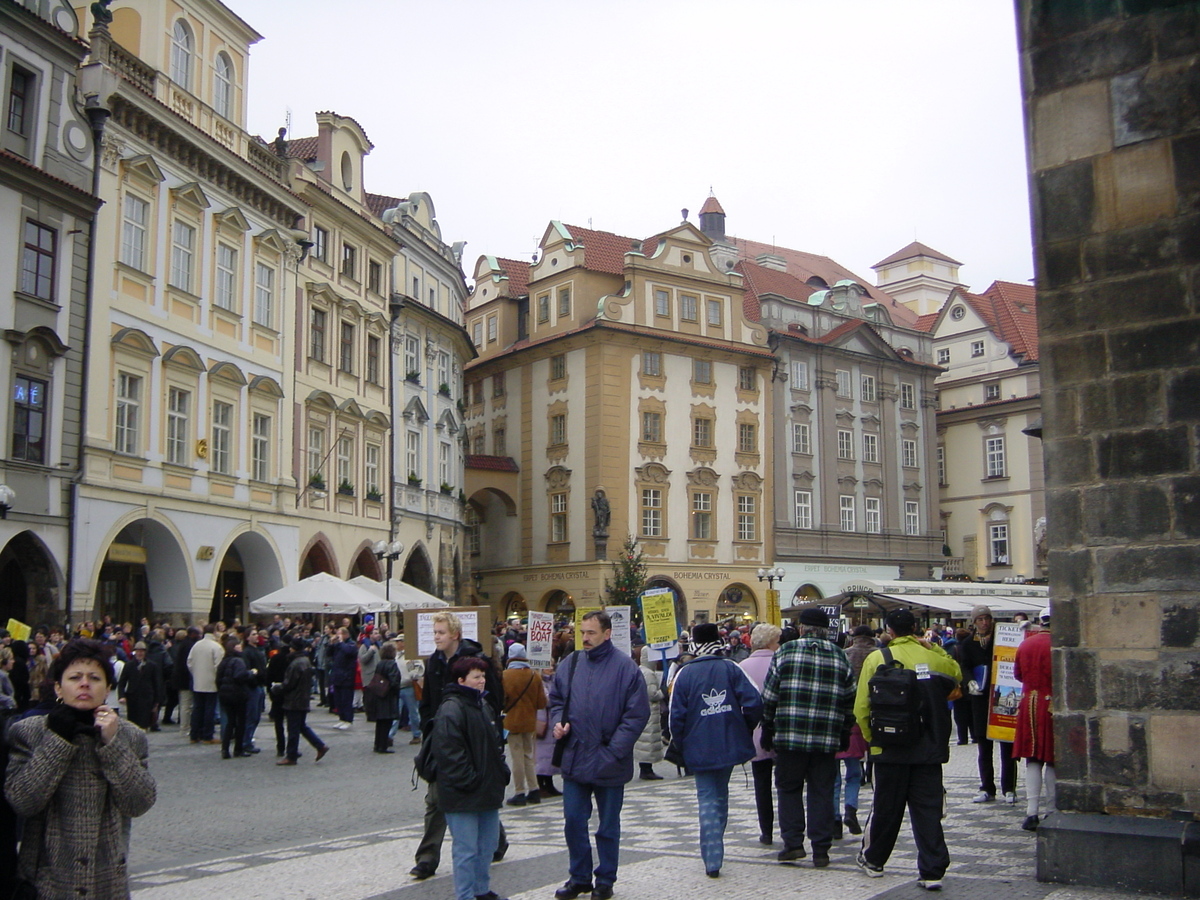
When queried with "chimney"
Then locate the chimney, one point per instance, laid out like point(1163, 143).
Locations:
point(771, 261)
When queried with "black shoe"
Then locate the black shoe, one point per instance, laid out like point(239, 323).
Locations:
point(515, 800)
point(791, 854)
point(766, 840)
point(650, 776)
point(1031, 823)
point(226, 756)
point(384, 750)
point(422, 870)
point(713, 873)
point(602, 892)
point(244, 753)
point(253, 749)
point(155, 728)
point(490, 895)
point(570, 891)
point(850, 818)
point(533, 797)
point(499, 854)
point(820, 860)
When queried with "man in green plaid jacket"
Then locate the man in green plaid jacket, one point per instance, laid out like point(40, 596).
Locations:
point(808, 704)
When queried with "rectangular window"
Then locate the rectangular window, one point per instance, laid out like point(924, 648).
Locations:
point(867, 385)
point(371, 469)
point(702, 516)
point(687, 308)
point(416, 293)
point(941, 465)
point(491, 322)
point(843, 383)
point(908, 396)
point(943, 356)
point(714, 312)
point(991, 392)
point(912, 519)
point(134, 215)
point(500, 442)
point(801, 437)
point(477, 334)
point(477, 392)
point(846, 508)
point(316, 335)
point(433, 297)
point(799, 375)
point(651, 512)
point(871, 448)
point(478, 442)
point(747, 378)
point(320, 248)
point(564, 303)
point(373, 347)
point(37, 261)
point(178, 433)
point(498, 384)
point(226, 295)
point(702, 371)
point(471, 525)
point(412, 357)
point(260, 448)
point(652, 363)
point(543, 308)
point(702, 432)
point(316, 450)
point(803, 509)
point(977, 348)
point(349, 261)
point(345, 461)
point(444, 463)
point(29, 419)
point(374, 277)
point(558, 367)
point(845, 441)
point(994, 449)
point(412, 453)
point(183, 254)
point(558, 517)
point(872, 515)
point(558, 430)
point(129, 395)
point(747, 517)
point(908, 453)
point(652, 427)
point(20, 101)
point(346, 348)
point(662, 303)
point(747, 437)
point(443, 370)
point(222, 437)
point(998, 544)
point(264, 295)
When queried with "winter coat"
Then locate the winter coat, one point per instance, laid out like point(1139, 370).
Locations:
point(437, 678)
point(368, 660)
point(256, 659)
point(389, 706)
point(755, 666)
point(234, 680)
point(202, 661)
point(609, 710)
point(343, 660)
point(524, 697)
point(141, 686)
point(181, 675)
point(469, 749)
point(1035, 732)
point(649, 746)
point(295, 687)
point(77, 798)
point(714, 710)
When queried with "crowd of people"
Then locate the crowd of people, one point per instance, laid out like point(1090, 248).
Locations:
point(795, 702)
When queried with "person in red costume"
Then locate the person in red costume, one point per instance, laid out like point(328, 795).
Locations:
point(1034, 741)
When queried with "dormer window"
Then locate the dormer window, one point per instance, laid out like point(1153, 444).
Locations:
point(347, 172)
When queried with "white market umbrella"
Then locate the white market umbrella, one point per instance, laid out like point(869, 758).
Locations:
point(403, 595)
point(321, 594)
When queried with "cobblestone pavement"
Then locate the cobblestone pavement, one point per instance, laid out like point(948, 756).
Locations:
point(348, 827)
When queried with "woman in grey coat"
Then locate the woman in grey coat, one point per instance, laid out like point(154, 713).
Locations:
point(78, 775)
point(649, 747)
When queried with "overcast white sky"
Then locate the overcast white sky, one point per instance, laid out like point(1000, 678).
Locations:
point(843, 128)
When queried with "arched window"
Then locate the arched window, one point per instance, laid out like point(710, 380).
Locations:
point(223, 86)
point(181, 55)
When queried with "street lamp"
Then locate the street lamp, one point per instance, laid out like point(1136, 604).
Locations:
point(477, 577)
point(7, 496)
point(770, 576)
point(391, 552)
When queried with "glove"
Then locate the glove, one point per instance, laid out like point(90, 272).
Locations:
point(68, 723)
point(768, 737)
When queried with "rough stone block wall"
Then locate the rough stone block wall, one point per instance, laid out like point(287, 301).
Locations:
point(1112, 102)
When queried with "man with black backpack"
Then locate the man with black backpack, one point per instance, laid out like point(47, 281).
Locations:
point(902, 710)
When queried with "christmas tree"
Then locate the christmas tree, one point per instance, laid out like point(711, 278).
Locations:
point(628, 577)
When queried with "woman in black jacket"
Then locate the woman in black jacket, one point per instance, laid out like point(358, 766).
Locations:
point(233, 690)
point(471, 776)
point(384, 710)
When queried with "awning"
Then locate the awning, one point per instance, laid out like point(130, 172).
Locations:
point(948, 598)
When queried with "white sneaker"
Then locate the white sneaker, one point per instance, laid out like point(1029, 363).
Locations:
point(872, 871)
point(1010, 798)
point(342, 726)
point(930, 884)
point(983, 797)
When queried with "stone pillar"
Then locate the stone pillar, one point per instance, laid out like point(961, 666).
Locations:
point(1112, 105)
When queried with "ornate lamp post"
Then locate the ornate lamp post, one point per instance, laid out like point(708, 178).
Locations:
point(770, 576)
point(391, 552)
point(7, 496)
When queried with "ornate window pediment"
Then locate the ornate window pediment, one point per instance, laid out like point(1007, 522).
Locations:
point(322, 399)
point(274, 239)
point(48, 338)
point(136, 341)
point(190, 194)
point(184, 358)
point(654, 473)
point(558, 478)
point(416, 410)
point(448, 422)
point(703, 477)
point(228, 372)
point(747, 481)
point(350, 407)
point(232, 219)
point(265, 384)
point(144, 168)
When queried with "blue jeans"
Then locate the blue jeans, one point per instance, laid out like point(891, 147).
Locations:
point(854, 771)
point(712, 798)
point(204, 711)
point(577, 811)
point(297, 727)
point(476, 835)
point(408, 698)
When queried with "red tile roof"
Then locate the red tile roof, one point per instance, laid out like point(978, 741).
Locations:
point(491, 463)
point(916, 248)
point(518, 276)
point(380, 203)
point(603, 250)
point(1010, 311)
point(711, 205)
point(759, 280)
point(925, 323)
point(300, 148)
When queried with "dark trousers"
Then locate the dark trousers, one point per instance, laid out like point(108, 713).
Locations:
point(987, 771)
point(796, 770)
point(764, 797)
point(919, 788)
point(233, 725)
point(204, 711)
point(382, 728)
point(321, 673)
point(962, 720)
point(278, 716)
point(343, 702)
point(429, 851)
point(172, 702)
point(297, 726)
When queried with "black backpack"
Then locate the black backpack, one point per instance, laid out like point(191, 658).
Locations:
point(895, 716)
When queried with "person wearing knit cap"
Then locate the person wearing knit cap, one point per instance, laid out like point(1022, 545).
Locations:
point(808, 699)
point(975, 657)
point(524, 695)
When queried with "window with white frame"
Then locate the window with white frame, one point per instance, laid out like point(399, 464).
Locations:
point(558, 429)
point(444, 463)
point(477, 334)
point(908, 395)
point(320, 247)
point(222, 437)
point(223, 86)
point(412, 357)
point(801, 437)
point(747, 437)
point(702, 432)
point(491, 325)
point(977, 348)
point(651, 363)
point(867, 388)
point(226, 293)
point(443, 369)
point(651, 512)
point(412, 453)
point(126, 434)
point(943, 356)
point(747, 517)
point(181, 54)
point(702, 516)
point(662, 303)
point(316, 450)
point(870, 448)
point(804, 509)
point(912, 518)
point(543, 308)
point(564, 303)
point(998, 545)
point(345, 460)
point(908, 453)
point(479, 442)
point(714, 312)
point(994, 453)
point(747, 378)
point(941, 465)
point(846, 508)
point(991, 392)
point(872, 515)
point(702, 371)
point(652, 427)
point(843, 383)
point(183, 255)
point(799, 375)
point(687, 308)
point(260, 448)
point(845, 444)
point(264, 295)
point(558, 367)
point(558, 517)
point(135, 214)
point(179, 404)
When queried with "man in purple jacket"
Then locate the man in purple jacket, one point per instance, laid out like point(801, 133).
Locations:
point(609, 710)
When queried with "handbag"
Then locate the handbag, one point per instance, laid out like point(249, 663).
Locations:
point(379, 687)
point(560, 745)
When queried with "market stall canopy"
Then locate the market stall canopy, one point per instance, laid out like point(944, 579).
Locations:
point(320, 594)
point(403, 595)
